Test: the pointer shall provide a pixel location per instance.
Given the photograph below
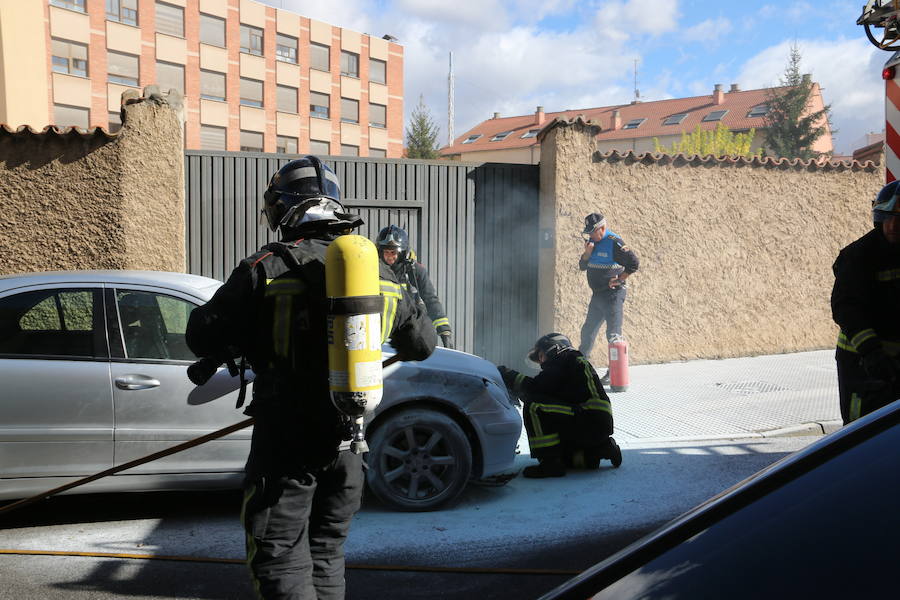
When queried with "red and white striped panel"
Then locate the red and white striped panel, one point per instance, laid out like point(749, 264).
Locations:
point(892, 122)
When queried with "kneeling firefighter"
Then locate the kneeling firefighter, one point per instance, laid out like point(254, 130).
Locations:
point(568, 416)
point(864, 304)
point(302, 484)
point(394, 251)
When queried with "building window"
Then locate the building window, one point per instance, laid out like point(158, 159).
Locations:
point(169, 19)
point(122, 68)
point(170, 76)
point(251, 40)
point(286, 145)
point(67, 116)
point(319, 147)
point(471, 138)
point(675, 119)
point(212, 85)
point(715, 115)
point(212, 30)
point(501, 136)
point(251, 92)
point(377, 152)
point(251, 141)
point(377, 70)
point(634, 123)
point(70, 57)
point(349, 110)
point(318, 105)
point(115, 122)
point(123, 11)
point(348, 150)
point(760, 110)
point(377, 115)
point(286, 99)
point(70, 4)
point(529, 134)
point(285, 48)
point(319, 57)
point(212, 137)
point(349, 64)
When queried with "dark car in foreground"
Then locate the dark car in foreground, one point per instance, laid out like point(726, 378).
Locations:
point(821, 523)
point(93, 374)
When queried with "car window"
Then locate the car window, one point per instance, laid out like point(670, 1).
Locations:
point(839, 518)
point(153, 325)
point(56, 322)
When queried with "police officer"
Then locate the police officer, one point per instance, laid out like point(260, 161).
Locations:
point(864, 304)
point(302, 485)
point(568, 416)
point(608, 263)
point(393, 248)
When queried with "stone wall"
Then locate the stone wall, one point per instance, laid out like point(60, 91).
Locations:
point(76, 199)
point(735, 254)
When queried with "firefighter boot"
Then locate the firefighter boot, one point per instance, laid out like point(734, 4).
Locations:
point(616, 453)
point(546, 467)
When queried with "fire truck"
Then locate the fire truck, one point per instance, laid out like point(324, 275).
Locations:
point(881, 20)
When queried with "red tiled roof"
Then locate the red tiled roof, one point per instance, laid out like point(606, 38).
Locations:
point(737, 103)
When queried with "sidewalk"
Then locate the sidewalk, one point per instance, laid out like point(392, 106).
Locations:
point(761, 396)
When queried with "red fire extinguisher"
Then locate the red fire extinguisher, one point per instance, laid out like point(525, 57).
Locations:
point(618, 365)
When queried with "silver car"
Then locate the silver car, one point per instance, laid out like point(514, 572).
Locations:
point(93, 374)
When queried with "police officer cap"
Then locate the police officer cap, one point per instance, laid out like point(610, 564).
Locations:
point(592, 221)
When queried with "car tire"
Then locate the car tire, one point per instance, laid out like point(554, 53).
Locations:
point(419, 460)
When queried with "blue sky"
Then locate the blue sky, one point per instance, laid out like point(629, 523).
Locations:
point(511, 56)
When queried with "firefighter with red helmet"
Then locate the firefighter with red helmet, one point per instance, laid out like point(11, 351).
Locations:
point(864, 304)
point(302, 483)
point(567, 414)
point(394, 250)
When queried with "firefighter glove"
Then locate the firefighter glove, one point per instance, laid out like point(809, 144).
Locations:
point(879, 365)
point(447, 339)
point(508, 375)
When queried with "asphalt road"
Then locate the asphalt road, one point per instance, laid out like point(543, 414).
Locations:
point(495, 543)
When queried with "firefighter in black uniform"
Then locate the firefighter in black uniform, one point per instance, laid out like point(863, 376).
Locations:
point(608, 262)
point(302, 485)
point(864, 304)
point(568, 416)
point(393, 248)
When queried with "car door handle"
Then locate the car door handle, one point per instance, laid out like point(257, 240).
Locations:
point(136, 382)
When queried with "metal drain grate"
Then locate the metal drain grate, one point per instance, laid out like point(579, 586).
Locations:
point(746, 388)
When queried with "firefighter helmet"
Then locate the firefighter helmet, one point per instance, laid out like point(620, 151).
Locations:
point(886, 203)
point(552, 345)
point(393, 238)
point(303, 196)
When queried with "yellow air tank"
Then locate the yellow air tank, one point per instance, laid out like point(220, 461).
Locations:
point(354, 330)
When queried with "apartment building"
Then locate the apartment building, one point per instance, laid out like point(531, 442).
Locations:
point(254, 77)
point(631, 127)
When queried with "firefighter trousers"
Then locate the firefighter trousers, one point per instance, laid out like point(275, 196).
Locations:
point(296, 525)
point(859, 394)
point(556, 430)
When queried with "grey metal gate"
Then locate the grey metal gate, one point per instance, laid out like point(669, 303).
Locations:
point(452, 211)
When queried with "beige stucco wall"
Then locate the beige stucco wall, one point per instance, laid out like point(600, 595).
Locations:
point(735, 260)
point(96, 201)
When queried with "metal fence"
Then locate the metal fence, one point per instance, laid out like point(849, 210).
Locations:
point(473, 225)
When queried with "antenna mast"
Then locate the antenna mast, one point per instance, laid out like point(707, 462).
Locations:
point(637, 93)
point(450, 118)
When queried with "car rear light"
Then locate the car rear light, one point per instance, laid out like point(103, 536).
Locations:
point(888, 73)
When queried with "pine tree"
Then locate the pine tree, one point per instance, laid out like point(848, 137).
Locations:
point(790, 130)
point(719, 142)
point(422, 133)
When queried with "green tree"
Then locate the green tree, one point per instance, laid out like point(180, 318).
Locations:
point(719, 142)
point(791, 128)
point(422, 133)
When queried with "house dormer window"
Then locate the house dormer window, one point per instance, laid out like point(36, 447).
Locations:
point(760, 110)
point(530, 133)
point(633, 124)
point(715, 115)
point(675, 119)
point(501, 136)
point(471, 138)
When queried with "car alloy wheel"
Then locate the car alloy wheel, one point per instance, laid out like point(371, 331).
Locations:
point(419, 460)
